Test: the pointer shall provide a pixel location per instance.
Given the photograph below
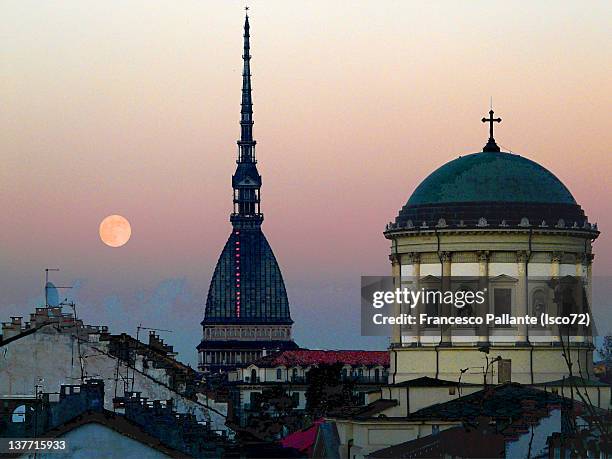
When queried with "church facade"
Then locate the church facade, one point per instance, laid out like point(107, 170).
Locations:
point(247, 310)
point(499, 223)
point(505, 225)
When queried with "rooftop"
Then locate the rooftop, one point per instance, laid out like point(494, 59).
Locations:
point(247, 286)
point(308, 357)
point(509, 400)
point(492, 189)
point(491, 177)
point(426, 381)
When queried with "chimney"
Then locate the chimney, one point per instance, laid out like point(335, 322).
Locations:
point(12, 328)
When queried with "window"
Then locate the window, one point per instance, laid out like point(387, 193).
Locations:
point(431, 305)
point(19, 414)
point(254, 398)
point(502, 303)
point(295, 396)
point(468, 308)
point(504, 372)
point(538, 304)
point(569, 305)
point(279, 373)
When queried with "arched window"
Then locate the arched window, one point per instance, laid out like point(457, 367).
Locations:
point(279, 373)
point(19, 414)
point(253, 375)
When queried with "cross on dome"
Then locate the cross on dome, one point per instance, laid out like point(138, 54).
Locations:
point(491, 145)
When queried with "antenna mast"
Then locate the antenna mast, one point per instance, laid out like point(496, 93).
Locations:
point(140, 327)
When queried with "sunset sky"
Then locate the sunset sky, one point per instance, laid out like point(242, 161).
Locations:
point(131, 108)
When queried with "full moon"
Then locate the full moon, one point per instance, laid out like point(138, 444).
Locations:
point(115, 230)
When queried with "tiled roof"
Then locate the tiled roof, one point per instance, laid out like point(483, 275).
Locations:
point(246, 344)
point(302, 440)
point(119, 424)
point(363, 412)
point(510, 400)
point(455, 441)
point(426, 381)
point(308, 357)
point(575, 381)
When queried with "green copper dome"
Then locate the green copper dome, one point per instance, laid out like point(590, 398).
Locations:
point(491, 177)
point(491, 189)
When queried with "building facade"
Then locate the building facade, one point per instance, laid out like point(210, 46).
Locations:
point(501, 224)
point(367, 371)
point(505, 225)
point(247, 310)
point(54, 348)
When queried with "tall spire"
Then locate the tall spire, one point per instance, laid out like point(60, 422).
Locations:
point(246, 141)
point(247, 289)
point(246, 181)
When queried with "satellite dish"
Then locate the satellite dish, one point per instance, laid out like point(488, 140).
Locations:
point(51, 294)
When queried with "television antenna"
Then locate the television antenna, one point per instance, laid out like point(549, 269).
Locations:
point(140, 327)
point(51, 289)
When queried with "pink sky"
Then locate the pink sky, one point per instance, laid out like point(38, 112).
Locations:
point(132, 108)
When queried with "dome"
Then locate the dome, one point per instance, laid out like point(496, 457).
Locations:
point(247, 286)
point(491, 177)
point(491, 189)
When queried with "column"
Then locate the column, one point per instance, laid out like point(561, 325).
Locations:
point(416, 285)
point(583, 266)
point(483, 283)
point(521, 295)
point(396, 268)
point(587, 264)
point(555, 262)
point(555, 270)
point(445, 330)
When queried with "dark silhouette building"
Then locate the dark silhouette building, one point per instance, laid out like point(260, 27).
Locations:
point(247, 311)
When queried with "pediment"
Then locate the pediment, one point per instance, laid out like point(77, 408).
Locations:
point(503, 278)
point(429, 279)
